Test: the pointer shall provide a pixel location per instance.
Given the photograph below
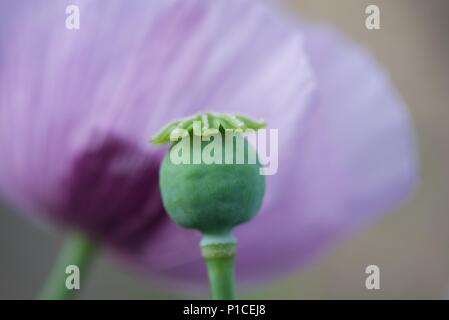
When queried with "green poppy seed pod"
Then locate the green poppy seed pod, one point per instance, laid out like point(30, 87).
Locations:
point(211, 180)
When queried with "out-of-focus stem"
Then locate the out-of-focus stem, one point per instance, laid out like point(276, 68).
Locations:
point(78, 251)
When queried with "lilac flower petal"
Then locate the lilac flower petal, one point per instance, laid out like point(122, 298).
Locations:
point(352, 158)
point(77, 109)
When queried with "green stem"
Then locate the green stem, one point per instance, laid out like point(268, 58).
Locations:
point(78, 251)
point(219, 257)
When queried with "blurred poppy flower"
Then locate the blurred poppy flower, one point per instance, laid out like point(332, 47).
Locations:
point(77, 108)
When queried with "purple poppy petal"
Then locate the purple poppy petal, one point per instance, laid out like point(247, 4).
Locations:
point(350, 159)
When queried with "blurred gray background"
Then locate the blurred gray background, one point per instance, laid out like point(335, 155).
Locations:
point(411, 246)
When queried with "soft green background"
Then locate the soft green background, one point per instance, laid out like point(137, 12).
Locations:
point(410, 246)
